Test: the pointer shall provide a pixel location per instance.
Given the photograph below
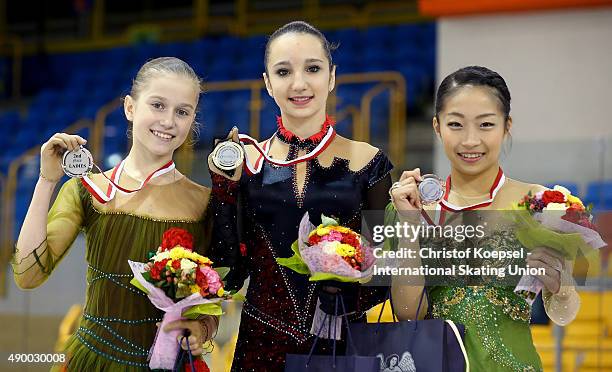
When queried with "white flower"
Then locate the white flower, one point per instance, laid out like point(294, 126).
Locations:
point(161, 256)
point(187, 264)
point(555, 207)
point(330, 247)
point(562, 190)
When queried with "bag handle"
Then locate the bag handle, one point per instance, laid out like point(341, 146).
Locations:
point(460, 341)
point(416, 316)
point(338, 298)
point(179, 361)
point(382, 309)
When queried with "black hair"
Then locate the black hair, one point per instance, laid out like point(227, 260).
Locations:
point(474, 76)
point(300, 27)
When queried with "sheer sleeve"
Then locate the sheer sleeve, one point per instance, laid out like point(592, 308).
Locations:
point(64, 222)
point(562, 307)
point(377, 198)
point(225, 244)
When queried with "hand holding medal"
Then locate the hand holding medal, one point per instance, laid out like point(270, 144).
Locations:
point(413, 191)
point(405, 192)
point(227, 157)
point(55, 150)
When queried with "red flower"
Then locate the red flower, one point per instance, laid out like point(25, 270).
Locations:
point(176, 264)
point(314, 239)
point(553, 197)
point(155, 273)
point(350, 239)
point(243, 249)
point(199, 365)
point(201, 280)
point(177, 237)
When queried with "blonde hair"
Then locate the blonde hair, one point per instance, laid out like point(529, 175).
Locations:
point(163, 65)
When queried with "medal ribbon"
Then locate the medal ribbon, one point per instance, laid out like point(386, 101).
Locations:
point(263, 151)
point(113, 185)
point(444, 205)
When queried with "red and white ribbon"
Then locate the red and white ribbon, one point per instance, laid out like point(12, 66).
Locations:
point(265, 148)
point(114, 186)
point(444, 205)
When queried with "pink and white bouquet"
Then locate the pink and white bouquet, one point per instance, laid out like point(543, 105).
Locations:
point(330, 252)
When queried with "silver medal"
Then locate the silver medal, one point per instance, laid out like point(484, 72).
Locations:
point(431, 189)
point(227, 155)
point(77, 163)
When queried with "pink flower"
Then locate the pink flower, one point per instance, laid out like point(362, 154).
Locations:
point(333, 236)
point(214, 281)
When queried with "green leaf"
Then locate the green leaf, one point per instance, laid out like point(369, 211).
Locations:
point(137, 284)
point(238, 297)
point(203, 309)
point(296, 249)
point(328, 221)
point(222, 271)
point(294, 263)
point(326, 276)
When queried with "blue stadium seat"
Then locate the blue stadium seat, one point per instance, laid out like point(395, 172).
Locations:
point(600, 194)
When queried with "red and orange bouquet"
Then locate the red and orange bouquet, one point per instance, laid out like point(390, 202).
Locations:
point(179, 271)
point(183, 284)
point(558, 220)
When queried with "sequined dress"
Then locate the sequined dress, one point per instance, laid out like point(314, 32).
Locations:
point(118, 323)
point(497, 336)
point(277, 315)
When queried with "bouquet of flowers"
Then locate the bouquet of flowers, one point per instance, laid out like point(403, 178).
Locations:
point(329, 252)
point(556, 219)
point(183, 284)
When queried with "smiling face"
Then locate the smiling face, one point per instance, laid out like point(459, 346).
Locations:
point(472, 127)
point(162, 114)
point(298, 75)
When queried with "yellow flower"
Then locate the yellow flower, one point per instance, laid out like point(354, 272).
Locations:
point(178, 253)
point(323, 231)
point(341, 229)
point(572, 199)
point(194, 288)
point(345, 250)
point(220, 292)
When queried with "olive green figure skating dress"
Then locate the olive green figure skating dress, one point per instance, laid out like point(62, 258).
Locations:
point(118, 328)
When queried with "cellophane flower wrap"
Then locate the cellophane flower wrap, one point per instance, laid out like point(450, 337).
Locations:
point(555, 219)
point(184, 285)
point(330, 252)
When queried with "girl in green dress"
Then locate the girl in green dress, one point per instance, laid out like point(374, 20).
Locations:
point(472, 119)
point(119, 323)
